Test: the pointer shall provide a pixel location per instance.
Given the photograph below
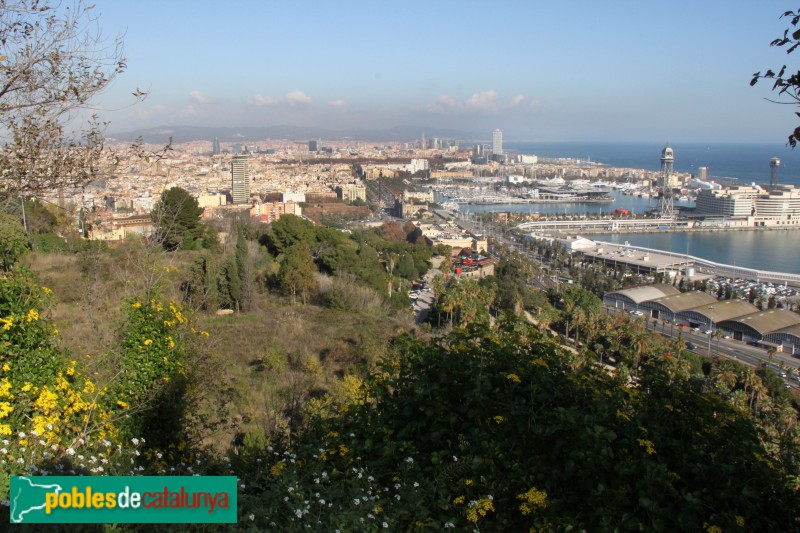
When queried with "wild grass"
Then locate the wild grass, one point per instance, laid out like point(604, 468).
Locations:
point(256, 369)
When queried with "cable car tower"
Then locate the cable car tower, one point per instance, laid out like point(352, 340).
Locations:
point(666, 204)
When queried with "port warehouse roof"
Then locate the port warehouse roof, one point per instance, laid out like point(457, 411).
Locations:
point(638, 295)
point(762, 322)
point(669, 306)
point(730, 315)
point(718, 311)
point(786, 335)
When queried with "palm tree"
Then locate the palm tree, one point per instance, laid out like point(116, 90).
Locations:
point(718, 336)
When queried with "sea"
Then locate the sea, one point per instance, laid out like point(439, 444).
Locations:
point(774, 250)
point(746, 163)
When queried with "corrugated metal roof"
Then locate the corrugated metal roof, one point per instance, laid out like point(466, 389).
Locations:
point(648, 292)
point(685, 300)
point(725, 310)
point(767, 321)
point(793, 331)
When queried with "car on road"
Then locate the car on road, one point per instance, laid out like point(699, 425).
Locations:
point(691, 346)
point(708, 332)
point(726, 337)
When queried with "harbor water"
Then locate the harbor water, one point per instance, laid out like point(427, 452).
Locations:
point(774, 250)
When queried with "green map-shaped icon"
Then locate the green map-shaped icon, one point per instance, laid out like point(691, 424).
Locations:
point(28, 498)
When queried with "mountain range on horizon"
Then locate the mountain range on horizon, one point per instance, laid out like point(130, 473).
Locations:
point(182, 133)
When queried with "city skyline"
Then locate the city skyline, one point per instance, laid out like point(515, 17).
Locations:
point(537, 72)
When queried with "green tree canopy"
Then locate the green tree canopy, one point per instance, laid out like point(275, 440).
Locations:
point(496, 429)
point(177, 218)
point(289, 230)
point(297, 272)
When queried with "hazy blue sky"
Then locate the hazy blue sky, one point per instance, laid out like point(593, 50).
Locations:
point(580, 70)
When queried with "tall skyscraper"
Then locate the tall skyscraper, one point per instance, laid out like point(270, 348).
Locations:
point(240, 179)
point(215, 146)
point(312, 146)
point(423, 144)
point(497, 142)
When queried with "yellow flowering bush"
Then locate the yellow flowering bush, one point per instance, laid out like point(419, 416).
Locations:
point(152, 380)
point(48, 408)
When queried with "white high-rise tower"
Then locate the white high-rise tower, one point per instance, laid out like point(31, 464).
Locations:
point(497, 142)
point(240, 179)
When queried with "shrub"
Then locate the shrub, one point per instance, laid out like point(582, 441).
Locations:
point(13, 241)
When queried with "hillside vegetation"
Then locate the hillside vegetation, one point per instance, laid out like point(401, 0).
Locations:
point(337, 412)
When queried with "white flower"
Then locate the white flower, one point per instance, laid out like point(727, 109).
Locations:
point(397, 497)
point(385, 525)
point(409, 460)
point(135, 441)
point(455, 458)
point(298, 513)
point(21, 435)
point(357, 501)
point(251, 516)
point(449, 525)
point(416, 484)
point(4, 451)
point(70, 451)
point(34, 433)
